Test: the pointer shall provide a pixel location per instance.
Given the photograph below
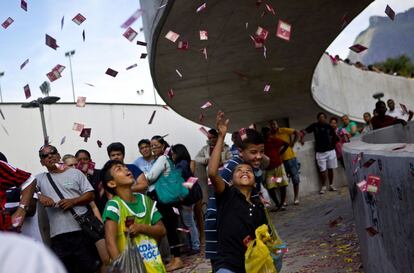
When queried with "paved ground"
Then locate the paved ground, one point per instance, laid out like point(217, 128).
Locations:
point(320, 235)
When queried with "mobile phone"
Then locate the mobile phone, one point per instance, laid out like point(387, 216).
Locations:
point(129, 221)
point(91, 168)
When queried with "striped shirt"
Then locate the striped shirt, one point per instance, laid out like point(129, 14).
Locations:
point(11, 177)
point(210, 223)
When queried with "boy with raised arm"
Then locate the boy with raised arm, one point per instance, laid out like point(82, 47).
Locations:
point(250, 144)
point(239, 212)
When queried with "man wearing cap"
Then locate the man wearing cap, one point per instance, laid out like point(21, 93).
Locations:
point(13, 177)
point(73, 248)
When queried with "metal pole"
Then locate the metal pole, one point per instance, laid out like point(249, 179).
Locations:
point(71, 76)
point(1, 95)
point(42, 117)
point(155, 96)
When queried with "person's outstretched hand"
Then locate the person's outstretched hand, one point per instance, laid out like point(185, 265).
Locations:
point(222, 123)
point(402, 122)
point(301, 137)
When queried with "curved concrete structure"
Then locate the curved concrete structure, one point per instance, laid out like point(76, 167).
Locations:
point(344, 89)
point(288, 68)
point(390, 211)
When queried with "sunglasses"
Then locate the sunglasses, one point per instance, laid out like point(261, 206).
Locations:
point(43, 156)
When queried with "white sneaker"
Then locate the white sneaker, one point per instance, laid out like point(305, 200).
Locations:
point(332, 188)
point(323, 190)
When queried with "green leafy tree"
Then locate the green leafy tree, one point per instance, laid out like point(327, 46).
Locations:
point(401, 65)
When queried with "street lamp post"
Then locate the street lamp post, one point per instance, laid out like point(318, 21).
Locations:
point(39, 104)
point(69, 54)
point(1, 95)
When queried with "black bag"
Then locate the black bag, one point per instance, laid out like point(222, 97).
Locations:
point(195, 194)
point(90, 225)
point(13, 196)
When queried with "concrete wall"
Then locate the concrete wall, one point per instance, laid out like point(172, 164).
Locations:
point(309, 176)
point(390, 211)
point(344, 89)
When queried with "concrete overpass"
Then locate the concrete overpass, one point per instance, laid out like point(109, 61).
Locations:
point(235, 73)
point(345, 89)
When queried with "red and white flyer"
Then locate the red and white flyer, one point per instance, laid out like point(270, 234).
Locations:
point(172, 36)
point(130, 34)
point(283, 30)
point(373, 183)
point(206, 105)
point(27, 93)
point(79, 19)
point(7, 23)
point(203, 35)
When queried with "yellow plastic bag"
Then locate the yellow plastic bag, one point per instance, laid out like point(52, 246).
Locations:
point(257, 256)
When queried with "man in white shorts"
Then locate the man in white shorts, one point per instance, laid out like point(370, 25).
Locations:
point(325, 139)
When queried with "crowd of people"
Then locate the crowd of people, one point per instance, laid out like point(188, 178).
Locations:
point(372, 67)
point(93, 213)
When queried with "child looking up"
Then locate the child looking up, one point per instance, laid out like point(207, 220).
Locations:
point(146, 227)
point(250, 144)
point(239, 213)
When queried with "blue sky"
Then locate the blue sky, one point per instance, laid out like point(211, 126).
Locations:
point(104, 47)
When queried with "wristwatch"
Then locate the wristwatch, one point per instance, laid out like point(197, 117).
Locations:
point(24, 207)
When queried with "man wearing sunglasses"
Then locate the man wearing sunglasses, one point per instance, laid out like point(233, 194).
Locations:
point(68, 242)
point(13, 177)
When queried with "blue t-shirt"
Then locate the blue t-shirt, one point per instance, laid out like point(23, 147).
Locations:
point(143, 164)
point(136, 172)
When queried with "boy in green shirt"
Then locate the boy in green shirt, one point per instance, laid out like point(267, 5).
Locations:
point(147, 225)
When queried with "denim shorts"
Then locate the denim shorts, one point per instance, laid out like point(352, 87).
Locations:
point(292, 169)
point(224, 270)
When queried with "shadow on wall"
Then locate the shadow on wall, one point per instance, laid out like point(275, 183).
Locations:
point(384, 221)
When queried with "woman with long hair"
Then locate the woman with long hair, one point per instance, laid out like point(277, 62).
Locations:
point(182, 161)
point(162, 167)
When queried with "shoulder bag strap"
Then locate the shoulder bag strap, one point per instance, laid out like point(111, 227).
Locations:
point(59, 193)
point(274, 233)
point(171, 164)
